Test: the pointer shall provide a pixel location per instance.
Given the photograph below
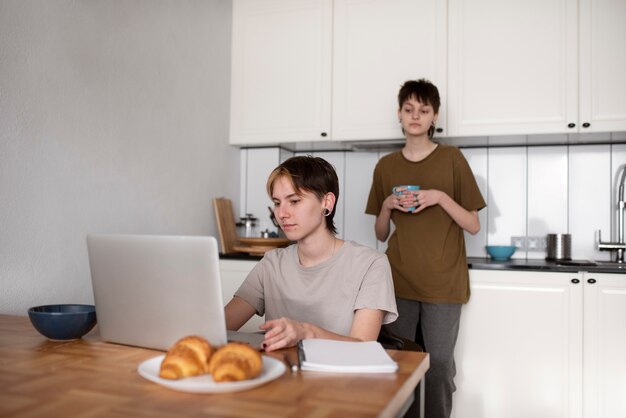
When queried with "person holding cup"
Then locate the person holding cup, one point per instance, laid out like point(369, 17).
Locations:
point(430, 194)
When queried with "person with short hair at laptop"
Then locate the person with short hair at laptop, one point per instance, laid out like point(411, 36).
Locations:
point(321, 286)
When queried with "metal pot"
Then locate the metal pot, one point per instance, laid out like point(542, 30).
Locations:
point(559, 247)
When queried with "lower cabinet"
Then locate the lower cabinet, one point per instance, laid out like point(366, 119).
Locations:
point(542, 344)
point(233, 273)
point(604, 362)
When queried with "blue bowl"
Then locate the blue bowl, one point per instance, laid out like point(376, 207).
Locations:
point(63, 322)
point(500, 252)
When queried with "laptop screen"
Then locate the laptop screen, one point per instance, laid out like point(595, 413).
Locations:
point(151, 290)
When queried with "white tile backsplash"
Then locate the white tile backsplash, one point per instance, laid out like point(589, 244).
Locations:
point(260, 163)
point(546, 194)
point(530, 191)
point(589, 197)
point(358, 175)
point(506, 180)
point(477, 160)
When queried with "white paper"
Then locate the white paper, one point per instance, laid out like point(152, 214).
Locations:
point(346, 357)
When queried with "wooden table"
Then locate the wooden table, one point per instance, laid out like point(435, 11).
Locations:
point(91, 378)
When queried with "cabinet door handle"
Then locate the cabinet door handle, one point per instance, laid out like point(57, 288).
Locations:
point(575, 281)
point(586, 125)
point(440, 130)
point(571, 125)
point(324, 134)
point(591, 281)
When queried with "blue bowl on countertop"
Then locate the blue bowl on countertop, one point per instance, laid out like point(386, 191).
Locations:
point(501, 252)
point(63, 322)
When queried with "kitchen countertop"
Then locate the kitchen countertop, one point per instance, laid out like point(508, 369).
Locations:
point(485, 263)
point(543, 265)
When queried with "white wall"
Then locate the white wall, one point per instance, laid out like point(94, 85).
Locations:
point(113, 118)
point(530, 192)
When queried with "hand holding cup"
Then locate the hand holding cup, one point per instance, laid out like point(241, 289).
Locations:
point(407, 196)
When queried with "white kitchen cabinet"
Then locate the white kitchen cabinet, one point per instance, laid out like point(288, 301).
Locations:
point(377, 46)
point(281, 65)
point(514, 66)
point(602, 65)
point(604, 341)
point(233, 273)
point(542, 344)
point(519, 350)
point(298, 65)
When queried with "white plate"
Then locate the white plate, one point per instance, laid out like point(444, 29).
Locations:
point(149, 369)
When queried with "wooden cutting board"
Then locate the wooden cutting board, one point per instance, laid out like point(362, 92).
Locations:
point(230, 242)
point(259, 246)
point(226, 225)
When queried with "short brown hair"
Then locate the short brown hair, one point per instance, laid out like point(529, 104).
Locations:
point(312, 174)
point(422, 90)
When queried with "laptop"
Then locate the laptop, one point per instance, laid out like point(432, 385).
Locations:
point(151, 290)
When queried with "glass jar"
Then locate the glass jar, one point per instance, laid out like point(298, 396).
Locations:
point(247, 226)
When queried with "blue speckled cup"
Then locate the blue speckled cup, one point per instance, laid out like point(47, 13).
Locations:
point(406, 189)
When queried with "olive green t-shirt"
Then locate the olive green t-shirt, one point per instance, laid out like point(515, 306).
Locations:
point(427, 249)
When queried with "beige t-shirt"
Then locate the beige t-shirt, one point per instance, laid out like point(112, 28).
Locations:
point(328, 294)
point(427, 249)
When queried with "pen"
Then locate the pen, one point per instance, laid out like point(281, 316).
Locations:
point(300, 351)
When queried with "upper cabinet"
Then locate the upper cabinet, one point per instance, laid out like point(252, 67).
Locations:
point(602, 65)
point(319, 70)
point(529, 67)
point(281, 71)
point(377, 46)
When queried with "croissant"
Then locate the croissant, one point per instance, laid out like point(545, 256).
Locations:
point(234, 362)
point(189, 356)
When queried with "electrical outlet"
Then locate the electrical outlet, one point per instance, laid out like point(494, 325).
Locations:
point(537, 244)
point(519, 242)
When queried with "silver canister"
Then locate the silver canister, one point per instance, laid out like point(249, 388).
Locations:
point(559, 247)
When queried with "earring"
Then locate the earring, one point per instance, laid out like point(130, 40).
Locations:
point(326, 212)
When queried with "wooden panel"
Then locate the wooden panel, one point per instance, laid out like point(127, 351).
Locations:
point(90, 378)
point(226, 225)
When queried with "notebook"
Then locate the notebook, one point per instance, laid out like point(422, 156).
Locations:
point(344, 356)
point(151, 290)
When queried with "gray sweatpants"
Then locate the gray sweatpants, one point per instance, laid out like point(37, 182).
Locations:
point(439, 328)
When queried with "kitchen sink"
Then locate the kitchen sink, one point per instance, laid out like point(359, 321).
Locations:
point(610, 264)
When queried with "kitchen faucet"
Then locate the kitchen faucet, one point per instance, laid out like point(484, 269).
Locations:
point(618, 246)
